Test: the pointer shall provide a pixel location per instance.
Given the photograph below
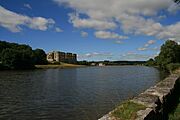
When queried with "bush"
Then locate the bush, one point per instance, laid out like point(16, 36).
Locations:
point(173, 66)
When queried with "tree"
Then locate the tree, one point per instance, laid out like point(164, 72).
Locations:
point(39, 57)
point(15, 59)
point(16, 56)
point(168, 54)
point(150, 62)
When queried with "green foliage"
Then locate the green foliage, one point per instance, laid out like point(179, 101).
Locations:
point(173, 66)
point(127, 110)
point(150, 62)
point(170, 53)
point(16, 59)
point(15, 56)
point(83, 63)
point(40, 57)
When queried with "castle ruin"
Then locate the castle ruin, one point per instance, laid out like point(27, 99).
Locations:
point(57, 56)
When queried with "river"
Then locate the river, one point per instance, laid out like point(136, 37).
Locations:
point(70, 94)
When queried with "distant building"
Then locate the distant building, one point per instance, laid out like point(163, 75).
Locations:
point(101, 64)
point(93, 64)
point(50, 57)
point(57, 56)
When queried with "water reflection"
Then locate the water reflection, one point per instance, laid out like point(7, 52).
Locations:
point(70, 94)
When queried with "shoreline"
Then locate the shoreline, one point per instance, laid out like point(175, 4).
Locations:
point(58, 66)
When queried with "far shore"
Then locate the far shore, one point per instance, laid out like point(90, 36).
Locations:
point(58, 66)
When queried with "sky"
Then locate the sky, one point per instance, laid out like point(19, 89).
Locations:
point(94, 29)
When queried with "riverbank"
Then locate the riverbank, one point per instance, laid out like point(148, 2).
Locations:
point(153, 104)
point(64, 65)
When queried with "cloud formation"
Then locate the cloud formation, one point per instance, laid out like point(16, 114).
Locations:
point(135, 56)
point(14, 22)
point(90, 23)
point(109, 35)
point(138, 17)
point(146, 46)
point(57, 29)
point(84, 34)
point(118, 42)
point(28, 6)
point(94, 55)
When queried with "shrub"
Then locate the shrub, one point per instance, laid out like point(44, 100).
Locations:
point(173, 66)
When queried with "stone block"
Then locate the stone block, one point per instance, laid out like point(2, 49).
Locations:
point(150, 101)
point(148, 113)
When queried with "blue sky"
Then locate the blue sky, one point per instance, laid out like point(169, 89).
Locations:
point(95, 30)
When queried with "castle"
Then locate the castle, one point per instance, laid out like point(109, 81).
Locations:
point(57, 56)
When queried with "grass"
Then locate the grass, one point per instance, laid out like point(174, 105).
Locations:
point(62, 65)
point(127, 110)
point(175, 115)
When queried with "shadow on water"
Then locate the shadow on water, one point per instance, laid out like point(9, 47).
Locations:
point(70, 94)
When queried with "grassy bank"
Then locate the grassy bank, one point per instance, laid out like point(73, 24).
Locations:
point(63, 65)
point(127, 110)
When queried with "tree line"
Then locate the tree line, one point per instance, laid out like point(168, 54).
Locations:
point(20, 56)
point(168, 58)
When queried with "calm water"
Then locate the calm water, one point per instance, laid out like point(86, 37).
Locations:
point(70, 94)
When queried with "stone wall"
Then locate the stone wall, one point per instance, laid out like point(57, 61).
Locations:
point(158, 100)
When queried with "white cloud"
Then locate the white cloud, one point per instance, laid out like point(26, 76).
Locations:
point(109, 35)
point(139, 17)
point(39, 23)
point(135, 56)
point(162, 17)
point(173, 8)
point(84, 34)
point(112, 8)
point(90, 23)
point(28, 6)
point(57, 29)
point(146, 46)
point(139, 25)
point(13, 21)
point(150, 42)
point(94, 55)
point(156, 49)
point(142, 49)
point(170, 31)
point(118, 42)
